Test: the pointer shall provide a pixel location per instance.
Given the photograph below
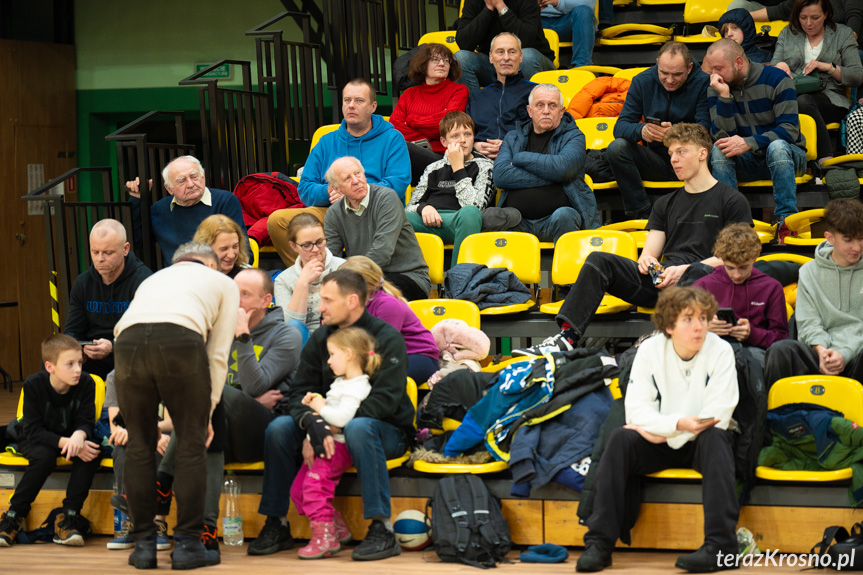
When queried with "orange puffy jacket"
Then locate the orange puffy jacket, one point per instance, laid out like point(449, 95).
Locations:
point(602, 97)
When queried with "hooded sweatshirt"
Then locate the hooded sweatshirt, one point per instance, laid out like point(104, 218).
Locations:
point(267, 360)
point(648, 97)
point(759, 299)
point(94, 308)
point(382, 152)
point(829, 308)
point(287, 280)
point(743, 20)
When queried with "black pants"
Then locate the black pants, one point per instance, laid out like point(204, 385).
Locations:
point(788, 358)
point(43, 460)
point(164, 362)
point(247, 425)
point(619, 276)
point(631, 163)
point(627, 456)
point(818, 106)
point(420, 159)
point(408, 287)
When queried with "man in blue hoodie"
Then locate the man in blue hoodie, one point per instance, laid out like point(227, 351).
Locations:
point(363, 135)
point(671, 92)
point(101, 294)
point(541, 170)
point(829, 309)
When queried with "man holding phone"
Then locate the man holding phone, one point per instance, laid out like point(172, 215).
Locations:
point(681, 395)
point(670, 92)
point(101, 294)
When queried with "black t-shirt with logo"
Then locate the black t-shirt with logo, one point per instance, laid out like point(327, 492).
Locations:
point(691, 222)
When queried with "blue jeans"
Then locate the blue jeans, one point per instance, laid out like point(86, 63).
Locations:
point(783, 163)
point(550, 228)
point(577, 27)
point(478, 71)
point(370, 442)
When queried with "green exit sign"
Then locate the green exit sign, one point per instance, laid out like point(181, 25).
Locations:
point(223, 72)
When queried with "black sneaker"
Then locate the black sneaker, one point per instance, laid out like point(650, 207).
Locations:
point(554, 343)
point(593, 559)
point(705, 560)
point(379, 543)
point(274, 537)
point(189, 553)
point(10, 525)
point(144, 555)
point(67, 530)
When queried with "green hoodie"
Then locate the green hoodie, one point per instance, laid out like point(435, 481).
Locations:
point(829, 308)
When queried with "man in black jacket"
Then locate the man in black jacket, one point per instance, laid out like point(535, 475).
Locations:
point(482, 20)
point(380, 429)
point(101, 294)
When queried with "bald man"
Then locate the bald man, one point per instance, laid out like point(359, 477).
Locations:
point(102, 293)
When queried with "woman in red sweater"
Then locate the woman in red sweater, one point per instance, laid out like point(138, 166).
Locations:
point(420, 109)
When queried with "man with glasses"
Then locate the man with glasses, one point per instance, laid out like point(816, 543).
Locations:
point(671, 92)
point(369, 220)
point(175, 217)
point(541, 170)
point(362, 134)
point(482, 20)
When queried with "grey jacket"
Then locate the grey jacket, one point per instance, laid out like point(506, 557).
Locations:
point(838, 48)
point(382, 233)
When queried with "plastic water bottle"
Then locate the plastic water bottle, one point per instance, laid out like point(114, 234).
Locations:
point(232, 521)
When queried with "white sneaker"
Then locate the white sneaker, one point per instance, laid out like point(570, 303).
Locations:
point(554, 343)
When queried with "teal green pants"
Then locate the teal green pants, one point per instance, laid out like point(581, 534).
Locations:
point(456, 226)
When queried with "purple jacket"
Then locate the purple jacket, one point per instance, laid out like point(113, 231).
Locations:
point(418, 340)
point(759, 299)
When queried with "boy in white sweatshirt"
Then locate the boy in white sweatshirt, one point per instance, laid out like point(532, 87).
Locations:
point(681, 394)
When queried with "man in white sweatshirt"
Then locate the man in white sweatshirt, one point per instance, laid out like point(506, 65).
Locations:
point(681, 394)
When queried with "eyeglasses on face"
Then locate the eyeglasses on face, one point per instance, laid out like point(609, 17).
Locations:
point(309, 246)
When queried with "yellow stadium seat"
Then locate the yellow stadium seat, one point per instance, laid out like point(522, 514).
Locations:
point(321, 132)
point(445, 37)
point(839, 160)
point(553, 43)
point(634, 228)
point(697, 13)
point(569, 82)
point(764, 230)
point(807, 127)
point(841, 394)
point(774, 27)
point(490, 467)
point(256, 252)
point(635, 35)
point(606, 70)
point(630, 73)
point(598, 134)
point(790, 289)
point(570, 254)
point(660, 2)
point(800, 225)
point(516, 251)
point(676, 473)
point(432, 248)
point(433, 311)
point(12, 460)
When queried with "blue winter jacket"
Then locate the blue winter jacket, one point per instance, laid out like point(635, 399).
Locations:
point(498, 108)
point(382, 152)
point(647, 97)
point(515, 168)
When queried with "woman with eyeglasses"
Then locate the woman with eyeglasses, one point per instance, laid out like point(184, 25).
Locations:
point(420, 109)
point(297, 289)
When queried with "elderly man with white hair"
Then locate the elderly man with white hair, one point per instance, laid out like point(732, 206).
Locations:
point(369, 220)
point(101, 294)
point(175, 217)
point(540, 168)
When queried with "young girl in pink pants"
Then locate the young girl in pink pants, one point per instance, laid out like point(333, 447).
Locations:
point(353, 360)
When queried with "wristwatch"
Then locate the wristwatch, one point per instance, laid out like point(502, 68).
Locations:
point(244, 338)
point(504, 10)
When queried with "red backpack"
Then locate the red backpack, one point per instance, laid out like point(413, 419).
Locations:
point(262, 194)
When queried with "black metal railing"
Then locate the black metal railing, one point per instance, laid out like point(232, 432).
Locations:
point(139, 157)
point(291, 75)
point(235, 127)
point(67, 230)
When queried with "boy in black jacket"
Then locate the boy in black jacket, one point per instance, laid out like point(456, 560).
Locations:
point(59, 411)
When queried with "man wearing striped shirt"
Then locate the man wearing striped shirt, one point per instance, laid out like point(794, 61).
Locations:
point(753, 115)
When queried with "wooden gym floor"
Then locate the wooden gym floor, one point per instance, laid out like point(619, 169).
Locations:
point(95, 559)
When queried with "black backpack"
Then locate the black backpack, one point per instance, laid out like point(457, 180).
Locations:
point(467, 524)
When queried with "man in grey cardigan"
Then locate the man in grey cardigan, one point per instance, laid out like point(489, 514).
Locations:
point(370, 221)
